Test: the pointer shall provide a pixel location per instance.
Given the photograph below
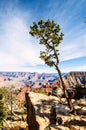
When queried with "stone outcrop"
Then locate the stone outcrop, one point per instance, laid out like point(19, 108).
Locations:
point(72, 78)
point(31, 116)
point(44, 80)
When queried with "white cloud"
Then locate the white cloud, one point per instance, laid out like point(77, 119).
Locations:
point(73, 68)
point(81, 68)
point(28, 69)
point(17, 47)
point(73, 49)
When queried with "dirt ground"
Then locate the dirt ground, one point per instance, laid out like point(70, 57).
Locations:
point(43, 103)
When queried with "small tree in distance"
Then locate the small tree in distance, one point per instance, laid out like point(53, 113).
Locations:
point(78, 86)
point(3, 110)
point(48, 33)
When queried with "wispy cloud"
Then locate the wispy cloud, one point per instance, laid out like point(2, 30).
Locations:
point(18, 49)
point(74, 68)
point(73, 49)
point(17, 44)
point(70, 15)
point(81, 68)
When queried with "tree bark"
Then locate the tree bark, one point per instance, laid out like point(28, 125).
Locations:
point(64, 89)
point(31, 116)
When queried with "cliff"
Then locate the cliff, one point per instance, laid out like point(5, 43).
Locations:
point(72, 78)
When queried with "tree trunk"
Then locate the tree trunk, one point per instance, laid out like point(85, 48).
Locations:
point(62, 82)
point(31, 116)
point(64, 89)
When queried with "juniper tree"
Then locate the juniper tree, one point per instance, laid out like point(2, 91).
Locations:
point(3, 111)
point(49, 35)
point(8, 95)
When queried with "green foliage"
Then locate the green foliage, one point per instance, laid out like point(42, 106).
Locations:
point(7, 97)
point(49, 35)
point(78, 86)
point(3, 110)
point(8, 94)
point(40, 91)
point(4, 92)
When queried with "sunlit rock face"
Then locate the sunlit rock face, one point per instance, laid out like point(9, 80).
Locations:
point(44, 80)
point(72, 78)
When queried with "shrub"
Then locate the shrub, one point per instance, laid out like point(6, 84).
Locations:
point(41, 91)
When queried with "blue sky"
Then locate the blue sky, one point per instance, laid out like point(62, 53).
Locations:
point(20, 52)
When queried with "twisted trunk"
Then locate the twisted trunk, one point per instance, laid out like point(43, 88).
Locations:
point(64, 89)
point(62, 82)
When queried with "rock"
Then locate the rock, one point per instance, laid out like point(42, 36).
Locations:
point(62, 128)
point(42, 122)
point(77, 128)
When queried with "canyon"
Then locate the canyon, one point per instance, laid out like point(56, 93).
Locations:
point(41, 80)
